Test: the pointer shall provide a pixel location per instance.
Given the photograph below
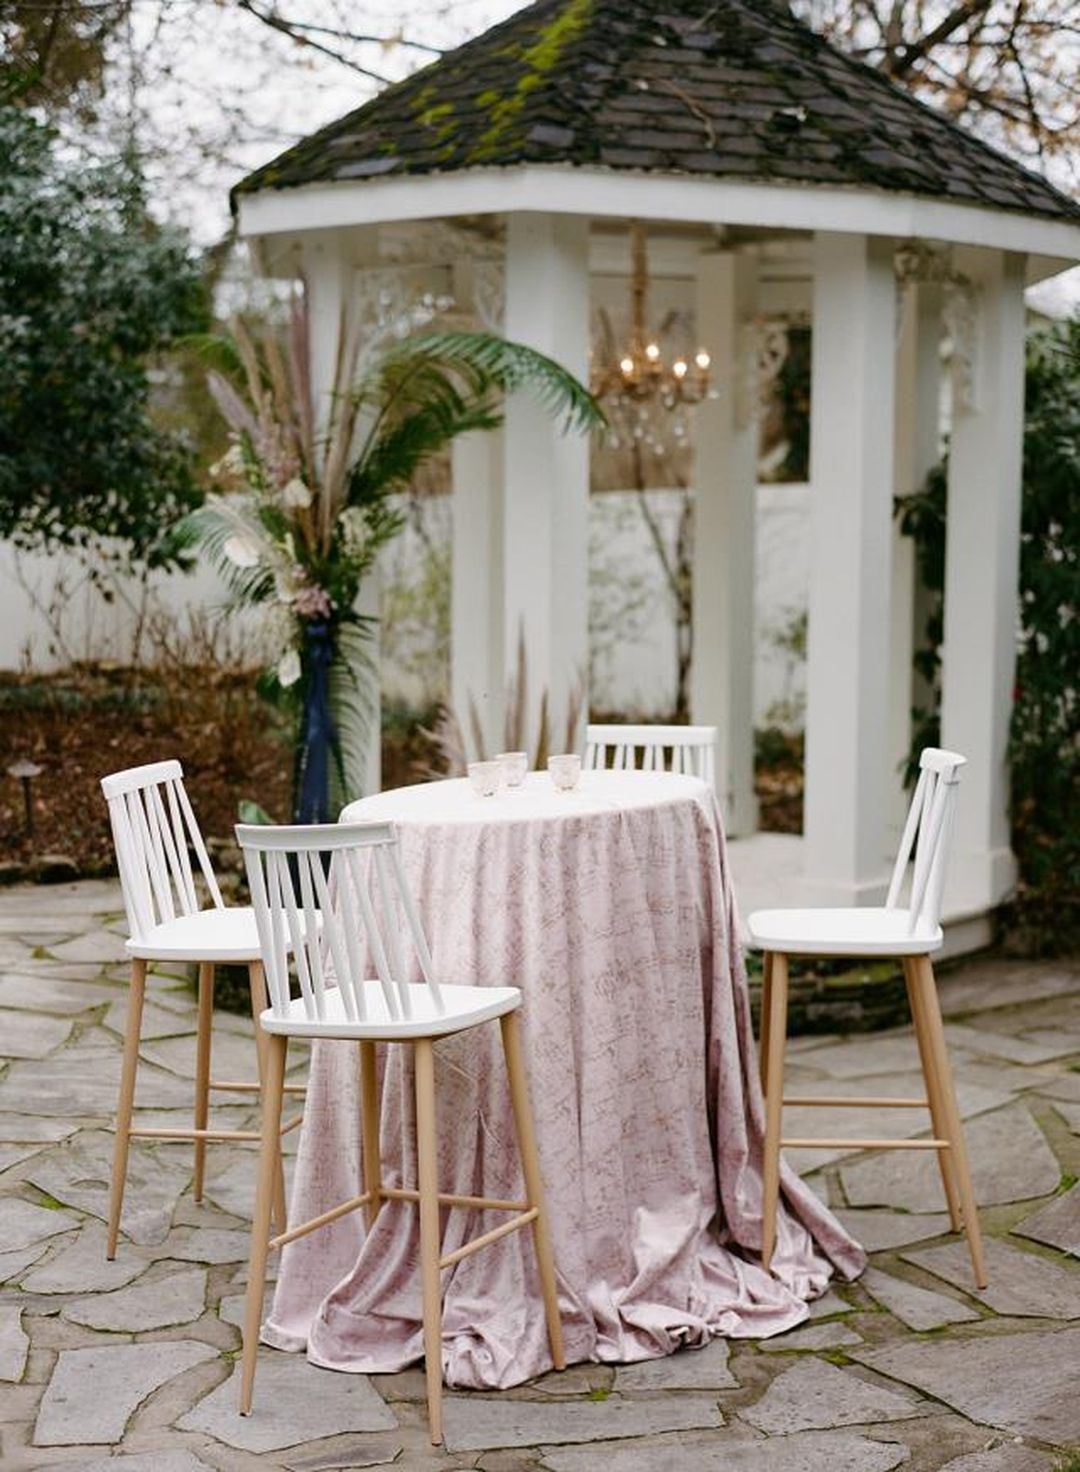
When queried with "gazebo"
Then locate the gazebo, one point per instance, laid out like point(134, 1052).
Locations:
point(507, 173)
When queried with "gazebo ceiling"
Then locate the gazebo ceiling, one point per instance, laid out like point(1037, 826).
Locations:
point(723, 89)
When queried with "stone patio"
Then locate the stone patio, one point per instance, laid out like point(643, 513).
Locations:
point(130, 1365)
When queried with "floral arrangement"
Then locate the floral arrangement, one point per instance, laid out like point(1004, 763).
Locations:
point(303, 501)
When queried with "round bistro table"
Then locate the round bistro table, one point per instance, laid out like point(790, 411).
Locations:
point(611, 908)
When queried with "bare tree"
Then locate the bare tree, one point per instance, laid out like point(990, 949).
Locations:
point(1008, 70)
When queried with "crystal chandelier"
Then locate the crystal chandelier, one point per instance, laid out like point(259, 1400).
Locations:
point(640, 375)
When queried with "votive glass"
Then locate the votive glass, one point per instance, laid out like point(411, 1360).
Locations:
point(514, 764)
point(565, 771)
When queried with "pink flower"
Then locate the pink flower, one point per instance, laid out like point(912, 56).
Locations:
point(313, 602)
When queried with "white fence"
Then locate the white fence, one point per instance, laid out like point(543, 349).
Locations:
point(53, 613)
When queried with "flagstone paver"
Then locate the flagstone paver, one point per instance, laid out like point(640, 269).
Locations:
point(157, 1461)
point(1007, 1458)
point(689, 1369)
point(1010, 1161)
point(840, 1393)
point(81, 1267)
point(22, 1224)
point(1058, 1225)
point(51, 993)
point(812, 1336)
point(212, 1245)
point(14, 1264)
point(814, 1395)
point(14, 1343)
point(78, 1174)
point(294, 1402)
point(31, 1034)
point(475, 1422)
point(1014, 1047)
point(806, 1451)
point(157, 1304)
point(1020, 1283)
point(879, 1230)
point(1023, 1383)
point(93, 1392)
point(14, 1154)
point(917, 1307)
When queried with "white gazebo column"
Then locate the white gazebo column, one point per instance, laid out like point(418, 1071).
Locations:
point(330, 263)
point(917, 450)
point(851, 472)
point(546, 471)
point(477, 658)
point(725, 485)
point(982, 556)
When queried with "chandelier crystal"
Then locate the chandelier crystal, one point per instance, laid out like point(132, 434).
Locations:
point(640, 374)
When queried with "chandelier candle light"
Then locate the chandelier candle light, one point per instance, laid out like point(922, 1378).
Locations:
point(641, 375)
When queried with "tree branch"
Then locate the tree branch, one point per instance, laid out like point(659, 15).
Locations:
point(287, 28)
point(899, 66)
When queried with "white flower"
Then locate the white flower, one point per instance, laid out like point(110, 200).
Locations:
point(353, 529)
point(288, 670)
point(296, 494)
point(230, 464)
point(241, 552)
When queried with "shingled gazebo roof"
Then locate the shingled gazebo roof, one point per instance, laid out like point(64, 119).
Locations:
point(732, 89)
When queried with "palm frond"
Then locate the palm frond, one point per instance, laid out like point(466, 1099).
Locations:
point(511, 367)
point(403, 446)
point(209, 528)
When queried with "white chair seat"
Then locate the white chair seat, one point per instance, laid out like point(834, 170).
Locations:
point(463, 1006)
point(208, 935)
point(847, 932)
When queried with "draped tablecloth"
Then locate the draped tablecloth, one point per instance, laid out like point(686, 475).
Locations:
point(611, 908)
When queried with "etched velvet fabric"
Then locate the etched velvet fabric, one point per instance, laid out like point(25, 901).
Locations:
point(611, 907)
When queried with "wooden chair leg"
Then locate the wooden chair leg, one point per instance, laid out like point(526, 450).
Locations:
point(202, 1069)
point(126, 1101)
point(931, 1012)
point(428, 1185)
point(766, 995)
point(938, 1115)
point(370, 1118)
point(266, 1186)
point(774, 1105)
point(534, 1187)
point(257, 984)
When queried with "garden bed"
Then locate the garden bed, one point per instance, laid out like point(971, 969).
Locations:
point(87, 721)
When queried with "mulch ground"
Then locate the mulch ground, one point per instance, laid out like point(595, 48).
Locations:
point(80, 725)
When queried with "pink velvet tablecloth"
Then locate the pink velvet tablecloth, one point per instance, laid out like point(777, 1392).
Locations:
point(611, 908)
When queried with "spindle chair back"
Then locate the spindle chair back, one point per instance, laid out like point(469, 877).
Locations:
point(692, 748)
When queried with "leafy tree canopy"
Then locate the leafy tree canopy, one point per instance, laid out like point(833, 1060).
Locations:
point(90, 290)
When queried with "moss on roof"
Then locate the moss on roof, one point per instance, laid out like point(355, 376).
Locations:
point(721, 88)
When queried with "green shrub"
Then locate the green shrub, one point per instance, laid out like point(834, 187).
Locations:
point(1044, 747)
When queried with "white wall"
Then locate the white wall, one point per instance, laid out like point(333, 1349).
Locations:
point(633, 670)
point(52, 612)
point(637, 674)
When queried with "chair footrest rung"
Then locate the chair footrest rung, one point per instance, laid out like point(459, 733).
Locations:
point(446, 1198)
point(834, 1101)
point(153, 1132)
point(503, 1230)
point(353, 1204)
point(238, 1086)
point(827, 1144)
